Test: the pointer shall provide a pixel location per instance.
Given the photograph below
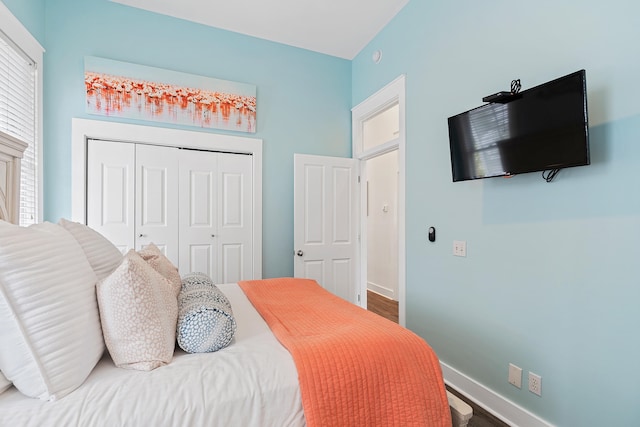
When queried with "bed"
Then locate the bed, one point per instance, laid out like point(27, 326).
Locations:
point(202, 389)
point(258, 379)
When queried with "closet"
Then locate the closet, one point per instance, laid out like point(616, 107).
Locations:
point(195, 205)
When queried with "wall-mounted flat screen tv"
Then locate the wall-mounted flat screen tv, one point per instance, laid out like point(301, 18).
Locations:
point(544, 128)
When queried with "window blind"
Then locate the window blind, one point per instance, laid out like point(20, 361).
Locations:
point(18, 119)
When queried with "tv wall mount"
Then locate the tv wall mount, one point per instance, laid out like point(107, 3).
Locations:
point(503, 97)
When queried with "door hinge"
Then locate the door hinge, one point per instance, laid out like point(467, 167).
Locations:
point(358, 237)
point(358, 297)
point(358, 179)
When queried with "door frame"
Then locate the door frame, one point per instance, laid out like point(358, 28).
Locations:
point(84, 129)
point(389, 95)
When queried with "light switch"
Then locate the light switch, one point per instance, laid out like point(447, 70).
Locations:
point(460, 248)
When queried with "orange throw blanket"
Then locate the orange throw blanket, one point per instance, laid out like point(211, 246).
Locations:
point(355, 368)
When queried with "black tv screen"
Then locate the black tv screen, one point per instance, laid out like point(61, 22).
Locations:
point(539, 129)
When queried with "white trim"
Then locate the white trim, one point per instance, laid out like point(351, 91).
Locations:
point(380, 290)
point(379, 150)
point(12, 146)
point(376, 103)
point(497, 405)
point(83, 129)
point(13, 28)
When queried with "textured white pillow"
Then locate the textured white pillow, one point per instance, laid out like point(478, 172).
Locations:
point(103, 256)
point(156, 259)
point(139, 313)
point(50, 337)
point(4, 383)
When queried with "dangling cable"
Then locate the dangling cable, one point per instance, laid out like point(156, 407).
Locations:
point(550, 174)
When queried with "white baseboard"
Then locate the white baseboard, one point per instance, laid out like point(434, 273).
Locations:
point(489, 400)
point(382, 290)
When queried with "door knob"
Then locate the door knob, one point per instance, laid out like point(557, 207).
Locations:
point(142, 235)
point(299, 253)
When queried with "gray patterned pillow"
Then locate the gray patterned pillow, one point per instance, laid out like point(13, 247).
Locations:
point(205, 318)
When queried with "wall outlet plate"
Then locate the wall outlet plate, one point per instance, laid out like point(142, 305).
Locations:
point(460, 248)
point(515, 375)
point(535, 383)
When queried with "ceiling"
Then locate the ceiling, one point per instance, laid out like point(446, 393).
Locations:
point(334, 27)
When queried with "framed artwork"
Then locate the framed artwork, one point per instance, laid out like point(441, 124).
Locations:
point(122, 89)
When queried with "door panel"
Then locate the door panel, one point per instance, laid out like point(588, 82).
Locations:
point(235, 217)
point(154, 197)
point(110, 195)
point(325, 232)
point(314, 206)
point(200, 258)
point(232, 269)
point(342, 276)
point(114, 194)
point(313, 269)
point(342, 205)
point(157, 191)
point(198, 218)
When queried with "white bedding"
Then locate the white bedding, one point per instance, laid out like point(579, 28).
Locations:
point(253, 382)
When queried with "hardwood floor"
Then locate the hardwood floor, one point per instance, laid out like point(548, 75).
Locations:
point(383, 306)
point(388, 308)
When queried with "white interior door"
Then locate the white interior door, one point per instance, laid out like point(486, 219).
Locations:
point(325, 222)
point(235, 219)
point(198, 215)
point(156, 198)
point(110, 191)
point(216, 215)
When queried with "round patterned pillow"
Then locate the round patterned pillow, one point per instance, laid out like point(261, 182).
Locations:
point(205, 318)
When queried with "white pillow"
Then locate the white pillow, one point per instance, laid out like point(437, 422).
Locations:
point(50, 337)
point(156, 259)
point(139, 313)
point(103, 255)
point(4, 383)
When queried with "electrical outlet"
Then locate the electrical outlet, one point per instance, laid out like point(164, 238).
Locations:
point(535, 383)
point(460, 248)
point(515, 375)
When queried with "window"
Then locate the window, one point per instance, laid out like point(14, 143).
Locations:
point(20, 86)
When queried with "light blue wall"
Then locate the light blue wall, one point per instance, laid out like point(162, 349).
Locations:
point(31, 14)
point(303, 97)
point(551, 281)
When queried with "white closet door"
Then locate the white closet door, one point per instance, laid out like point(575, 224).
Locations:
point(196, 206)
point(198, 212)
point(235, 219)
point(157, 198)
point(110, 191)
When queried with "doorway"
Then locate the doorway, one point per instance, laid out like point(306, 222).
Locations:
point(379, 144)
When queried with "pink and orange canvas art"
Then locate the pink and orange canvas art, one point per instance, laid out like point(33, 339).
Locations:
point(122, 89)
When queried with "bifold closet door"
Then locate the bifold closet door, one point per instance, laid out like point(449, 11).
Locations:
point(157, 206)
point(111, 191)
point(198, 217)
point(235, 217)
point(196, 206)
point(216, 220)
point(132, 194)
